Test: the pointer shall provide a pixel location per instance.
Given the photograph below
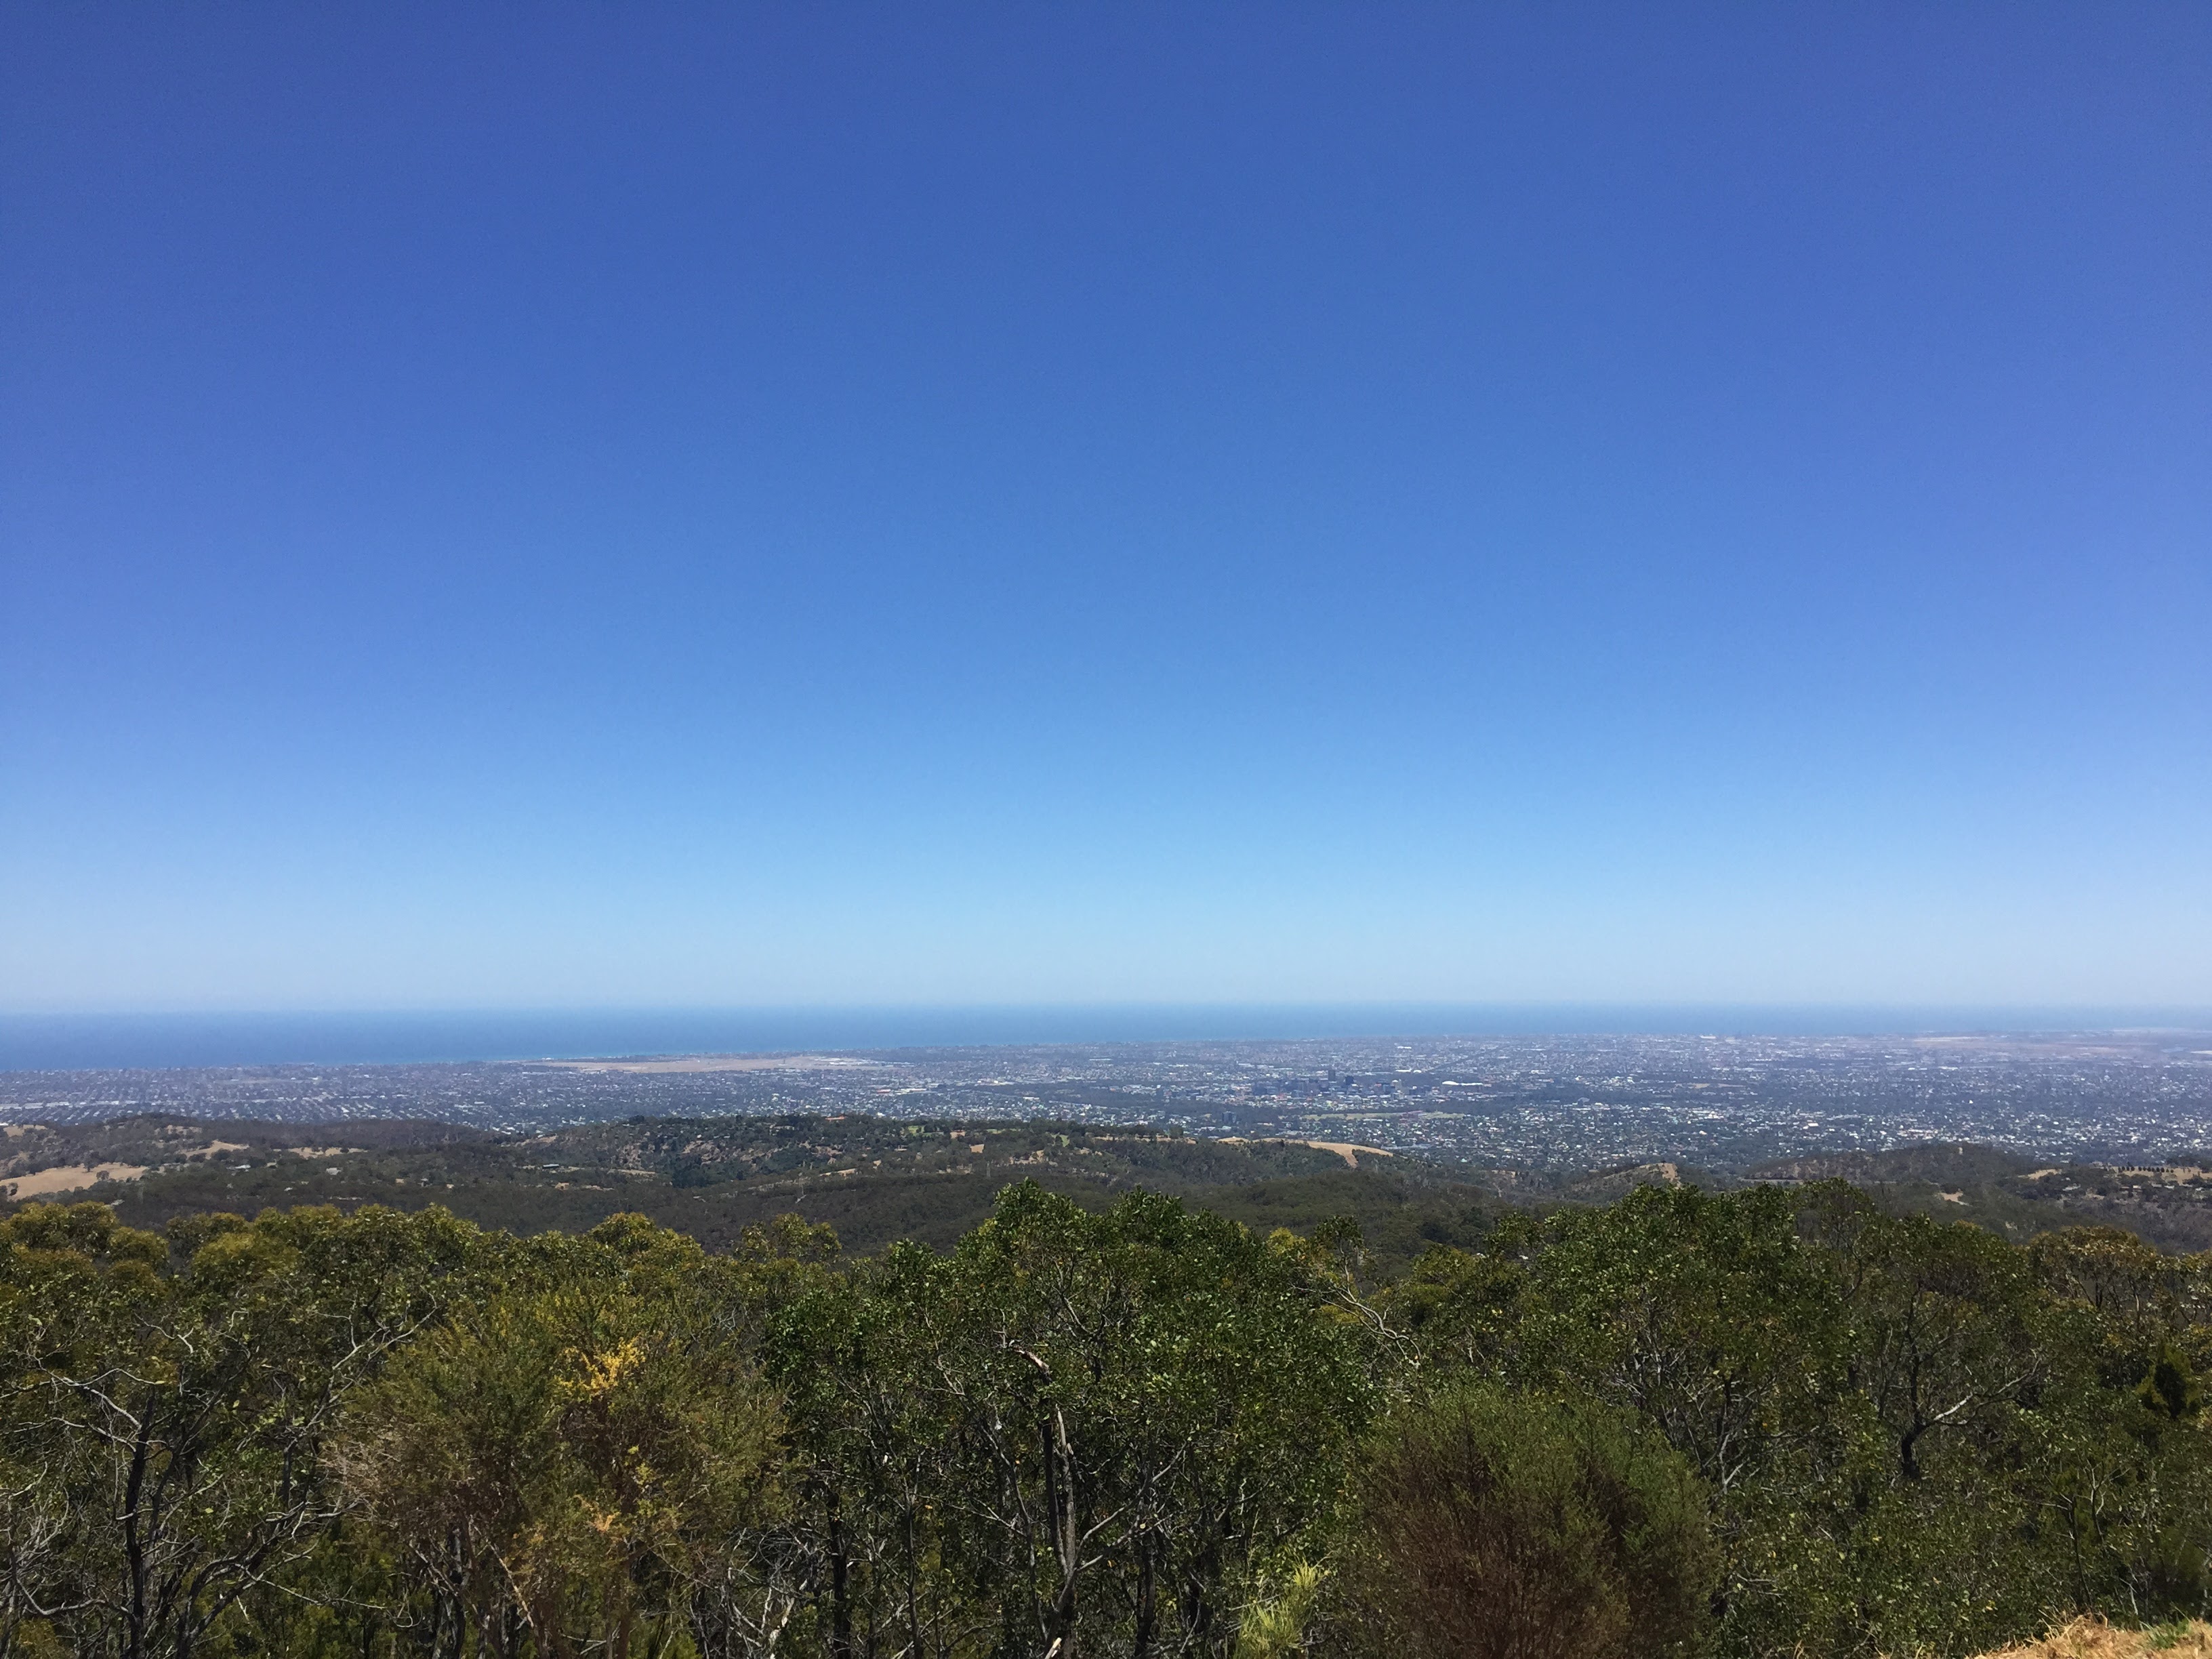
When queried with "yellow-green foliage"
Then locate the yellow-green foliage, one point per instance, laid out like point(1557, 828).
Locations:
point(1273, 1624)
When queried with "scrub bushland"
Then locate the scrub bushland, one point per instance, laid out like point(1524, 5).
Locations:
point(1765, 1422)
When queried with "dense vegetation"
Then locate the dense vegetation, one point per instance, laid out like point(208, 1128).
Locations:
point(880, 1179)
point(1758, 1422)
point(876, 1180)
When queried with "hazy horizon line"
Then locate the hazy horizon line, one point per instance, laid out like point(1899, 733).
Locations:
point(164, 1039)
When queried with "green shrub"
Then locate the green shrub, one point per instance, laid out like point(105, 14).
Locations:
point(1490, 1525)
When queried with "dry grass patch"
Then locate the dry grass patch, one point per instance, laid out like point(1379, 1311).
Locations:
point(2093, 1638)
point(67, 1178)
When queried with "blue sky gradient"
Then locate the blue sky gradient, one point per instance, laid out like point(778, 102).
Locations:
point(705, 505)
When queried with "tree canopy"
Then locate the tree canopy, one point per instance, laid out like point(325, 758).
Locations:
point(1763, 1422)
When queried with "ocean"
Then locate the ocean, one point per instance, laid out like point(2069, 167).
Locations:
point(72, 1041)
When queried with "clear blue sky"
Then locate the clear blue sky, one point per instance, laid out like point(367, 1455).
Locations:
point(708, 505)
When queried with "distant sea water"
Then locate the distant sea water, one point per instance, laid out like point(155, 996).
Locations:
point(129, 1041)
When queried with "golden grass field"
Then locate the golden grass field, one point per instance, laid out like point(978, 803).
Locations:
point(2093, 1638)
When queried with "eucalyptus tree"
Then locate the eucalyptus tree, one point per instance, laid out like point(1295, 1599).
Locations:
point(1076, 1433)
point(175, 1399)
point(582, 1462)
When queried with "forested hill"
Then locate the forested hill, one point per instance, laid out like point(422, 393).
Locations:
point(878, 1180)
point(875, 1180)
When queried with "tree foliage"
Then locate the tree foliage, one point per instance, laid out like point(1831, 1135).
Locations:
point(1773, 1421)
point(1497, 1525)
